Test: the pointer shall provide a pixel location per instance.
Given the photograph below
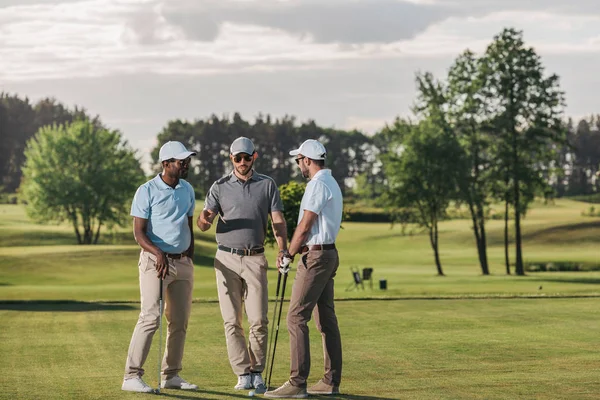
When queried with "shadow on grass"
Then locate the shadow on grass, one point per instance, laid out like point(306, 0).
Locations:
point(205, 393)
point(590, 281)
point(62, 305)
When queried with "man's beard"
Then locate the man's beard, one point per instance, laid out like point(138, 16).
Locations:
point(305, 173)
point(242, 172)
point(183, 174)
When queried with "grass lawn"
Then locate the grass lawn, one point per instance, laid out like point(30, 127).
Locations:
point(413, 349)
point(68, 312)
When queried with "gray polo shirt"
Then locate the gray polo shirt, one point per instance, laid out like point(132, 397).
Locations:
point(244, 208)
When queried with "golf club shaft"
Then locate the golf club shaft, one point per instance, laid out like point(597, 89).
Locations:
point(278, 322)
point(160, 302)
point(269, 364)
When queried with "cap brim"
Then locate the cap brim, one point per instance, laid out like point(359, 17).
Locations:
point(184, 155)
point(295, 152)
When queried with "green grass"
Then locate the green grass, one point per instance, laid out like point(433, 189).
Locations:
point(41, 262)
point(417, 349)
point(68, 312)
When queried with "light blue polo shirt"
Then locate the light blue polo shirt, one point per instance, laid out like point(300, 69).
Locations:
point(323, 197)
point(167, 211)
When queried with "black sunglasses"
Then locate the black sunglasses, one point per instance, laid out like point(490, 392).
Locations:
point(298, 160)
point(181, 162)
point(238, 158)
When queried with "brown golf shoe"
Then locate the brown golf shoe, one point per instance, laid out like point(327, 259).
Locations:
point(287, 391)
point(323, 389)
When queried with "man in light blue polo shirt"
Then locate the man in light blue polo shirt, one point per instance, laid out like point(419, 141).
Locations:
point(162, 211)
point(314, 239)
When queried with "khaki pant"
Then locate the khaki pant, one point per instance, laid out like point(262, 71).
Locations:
point(313, 287)
point(177, 297)
point(242, 284)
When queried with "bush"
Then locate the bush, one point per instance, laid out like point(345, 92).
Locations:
point(591, 212)
point(8, 198)
point(560, 266)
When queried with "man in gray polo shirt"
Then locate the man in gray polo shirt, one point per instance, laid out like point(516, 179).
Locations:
point(244, 199)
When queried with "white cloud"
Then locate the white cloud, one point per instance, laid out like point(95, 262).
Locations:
point(94, 38)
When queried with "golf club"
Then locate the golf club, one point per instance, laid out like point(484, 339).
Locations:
point(283, 270)
point(160, 302)
point(273, 325)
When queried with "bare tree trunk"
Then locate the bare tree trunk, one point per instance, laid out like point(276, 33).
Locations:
point(516, 190)
point(506, 256)
point(519, 270)
point(483, 260)
point(433, 238)
point(97, 233)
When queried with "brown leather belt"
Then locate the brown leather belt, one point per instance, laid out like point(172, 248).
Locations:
point(243, 252)
point(175, 256)
point(317, 247)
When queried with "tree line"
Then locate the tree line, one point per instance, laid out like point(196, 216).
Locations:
point(492, 130)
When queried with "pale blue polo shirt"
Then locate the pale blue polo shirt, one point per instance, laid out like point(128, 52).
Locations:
point(167, 211)
point(323, 197)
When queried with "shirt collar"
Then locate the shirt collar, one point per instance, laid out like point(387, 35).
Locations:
point(233, 177)
point(162, 185)
point(324, 171)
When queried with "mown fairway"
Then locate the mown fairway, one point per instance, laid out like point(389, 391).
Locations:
point(462, 336)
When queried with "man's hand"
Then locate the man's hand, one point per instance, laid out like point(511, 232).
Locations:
point(162, 265)
point(205, 219)
point(284, 260)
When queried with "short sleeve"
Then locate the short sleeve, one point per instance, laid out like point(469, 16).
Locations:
point(276, 203)
point(193, 201)
point(316, 196)
point(212, 199)
point(140, 206)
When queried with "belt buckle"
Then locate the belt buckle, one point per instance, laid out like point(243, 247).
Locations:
point(247, 252)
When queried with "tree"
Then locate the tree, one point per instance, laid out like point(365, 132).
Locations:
point(455, 107)
point(80, 173)
point(291, 196)
point(422, 176)
point(525, 110)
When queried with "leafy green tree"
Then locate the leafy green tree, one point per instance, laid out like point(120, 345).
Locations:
point(455, 106)
point(19, 121)
point(525, 108)
point(80, 173)
point(291, 196)
point(422, 176)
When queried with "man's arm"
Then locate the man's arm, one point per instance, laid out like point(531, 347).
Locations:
point(139, 233)
point(301, 232)
point(190, 251)
point(280, 233)
point(205, 219)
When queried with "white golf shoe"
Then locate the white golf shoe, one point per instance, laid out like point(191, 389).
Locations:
point(178, 382)
point(257, 383)
point(244, 382)
point(136, 385)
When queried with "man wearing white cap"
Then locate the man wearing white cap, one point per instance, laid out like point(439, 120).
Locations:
point(244, 199)
point(314, 239)
point(162, 211)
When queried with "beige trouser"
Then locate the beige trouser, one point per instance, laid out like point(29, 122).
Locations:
point(313, 287)
point(242, 283)
point(177, 296)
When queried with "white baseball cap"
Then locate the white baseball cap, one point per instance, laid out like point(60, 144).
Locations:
point(312, 149)
point(174, 150)
point(242, 145)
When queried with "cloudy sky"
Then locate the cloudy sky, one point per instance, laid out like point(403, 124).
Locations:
point(344, 63)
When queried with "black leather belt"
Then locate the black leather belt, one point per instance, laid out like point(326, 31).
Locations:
point(243, 252)
point(175, 256)
point(317, 247)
